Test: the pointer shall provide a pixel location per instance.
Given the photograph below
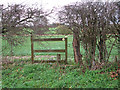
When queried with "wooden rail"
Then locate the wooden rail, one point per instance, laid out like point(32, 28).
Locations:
point(57, 50)
point(49, 39)
point(49, 50)
point(48, 61)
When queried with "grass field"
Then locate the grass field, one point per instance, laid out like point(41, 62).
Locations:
point(22, 74)
point(25, 48)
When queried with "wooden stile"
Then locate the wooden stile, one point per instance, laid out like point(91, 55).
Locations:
point(48, 39)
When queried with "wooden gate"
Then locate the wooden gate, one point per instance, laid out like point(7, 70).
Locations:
point(56, 50)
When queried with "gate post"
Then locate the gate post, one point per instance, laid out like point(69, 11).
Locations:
point(65, 50)
point(58, 57)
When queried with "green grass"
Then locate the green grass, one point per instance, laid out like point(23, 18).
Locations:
point(25, 48)
point(21, 74)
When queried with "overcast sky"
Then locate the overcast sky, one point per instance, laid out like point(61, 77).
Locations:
point(46, 4)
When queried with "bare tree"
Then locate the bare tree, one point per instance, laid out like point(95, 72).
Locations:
point(18, 19)
point(112, 16)
point(81, 18)
point(69, 17)
point(115, 19)
point(90, 24)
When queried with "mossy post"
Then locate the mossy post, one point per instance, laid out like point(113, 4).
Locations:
point(66, 50)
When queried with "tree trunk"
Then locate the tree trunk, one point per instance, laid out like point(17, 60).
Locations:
point(11, 51)
point(101, 47)
point(76, 48)
point(101, 50)
point(105, 53)
point(92, 53)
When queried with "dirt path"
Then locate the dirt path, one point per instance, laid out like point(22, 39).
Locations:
point(26, 57)
point(10, 59)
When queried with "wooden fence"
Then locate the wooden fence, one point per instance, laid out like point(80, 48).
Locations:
point(57, 50)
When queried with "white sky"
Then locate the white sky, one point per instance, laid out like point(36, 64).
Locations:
point(46, 4)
